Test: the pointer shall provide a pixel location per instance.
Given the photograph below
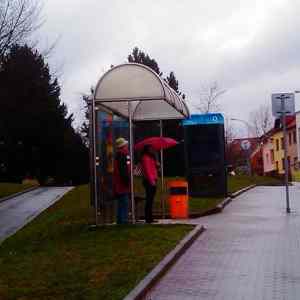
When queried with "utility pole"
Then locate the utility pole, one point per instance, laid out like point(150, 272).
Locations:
point(286, 165)
point(281, 108)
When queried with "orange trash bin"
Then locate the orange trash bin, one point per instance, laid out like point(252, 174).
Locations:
point(178, 199)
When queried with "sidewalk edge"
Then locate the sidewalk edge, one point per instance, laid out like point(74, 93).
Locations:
point(164, 265)
point(241, 191)
point(224, 203)
point(19, 193)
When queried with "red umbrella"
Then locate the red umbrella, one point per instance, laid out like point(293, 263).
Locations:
point(157, 143)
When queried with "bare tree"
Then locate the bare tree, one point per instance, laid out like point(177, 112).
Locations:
point(209, 98)
point(261, 120)
point(18, 20)
point(230, 132)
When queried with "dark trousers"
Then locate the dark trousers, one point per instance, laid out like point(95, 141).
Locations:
point(122, 211)
point(150, 193)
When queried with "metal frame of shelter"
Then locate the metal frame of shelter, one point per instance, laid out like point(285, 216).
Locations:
point(136, 93)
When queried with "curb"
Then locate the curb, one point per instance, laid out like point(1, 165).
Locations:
point(218, 209)
point(18, 194)
point(165, 264)
point(224, 203)
point(235, 194)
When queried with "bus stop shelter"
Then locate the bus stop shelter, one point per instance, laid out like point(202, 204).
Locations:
point(135, 93)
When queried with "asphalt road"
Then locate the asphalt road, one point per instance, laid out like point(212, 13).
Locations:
point(250, 251)
point(18, 211)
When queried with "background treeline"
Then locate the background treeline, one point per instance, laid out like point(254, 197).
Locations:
point(36, 134)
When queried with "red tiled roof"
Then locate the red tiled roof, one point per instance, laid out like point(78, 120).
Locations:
point(291, 124)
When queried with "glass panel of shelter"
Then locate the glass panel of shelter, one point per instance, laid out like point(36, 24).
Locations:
point(108, 128)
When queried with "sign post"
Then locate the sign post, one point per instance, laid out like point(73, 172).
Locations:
point(283, 105)
point(246, 145)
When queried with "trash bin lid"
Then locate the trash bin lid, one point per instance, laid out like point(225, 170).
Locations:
point(177, 183)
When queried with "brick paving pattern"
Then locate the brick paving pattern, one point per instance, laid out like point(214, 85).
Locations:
point(250, 251)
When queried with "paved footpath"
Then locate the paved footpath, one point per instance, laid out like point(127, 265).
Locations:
point(250, 251)
point(18, 211)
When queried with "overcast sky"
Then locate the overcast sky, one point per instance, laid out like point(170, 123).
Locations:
point(251, 48)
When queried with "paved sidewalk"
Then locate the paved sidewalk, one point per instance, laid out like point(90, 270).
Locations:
point(17, 212)
point(250, 251)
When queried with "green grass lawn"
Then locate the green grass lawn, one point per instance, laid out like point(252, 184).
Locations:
point(196, 205)
point(236, 183)
point(201, 205)
point(57, 257)
point(7, 189)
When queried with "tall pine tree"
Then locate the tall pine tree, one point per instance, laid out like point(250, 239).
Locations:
point(171, 128)
point(33, 121)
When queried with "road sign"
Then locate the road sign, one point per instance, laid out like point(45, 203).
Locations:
point(281, 101)
point(284, 105)
point(245, 145)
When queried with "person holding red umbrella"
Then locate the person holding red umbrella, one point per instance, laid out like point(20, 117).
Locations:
point(149, 171)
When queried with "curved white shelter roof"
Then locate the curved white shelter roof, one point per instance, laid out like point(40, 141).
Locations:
point(149, 96)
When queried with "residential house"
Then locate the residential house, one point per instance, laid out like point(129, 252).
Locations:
point(267, 145)
point(256, 159)
point(298, 132)
point(292, 153)
point(278, 151)
point(278, 146)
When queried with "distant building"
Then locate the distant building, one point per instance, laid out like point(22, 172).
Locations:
point(256, 159)
point(238, 157)
point(298, 132)
point(292, 153)
point(273, 148)
point(267, 141)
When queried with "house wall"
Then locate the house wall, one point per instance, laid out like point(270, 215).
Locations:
point(292, 149)
point(257, 161)
point(278, 153)
point(298, 133)
point(268, 163)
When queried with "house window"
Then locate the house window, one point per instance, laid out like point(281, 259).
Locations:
point(283, 166)
point(295, 161)
point(277, 142)
point(272, 156)
point(282, 143)
point(277, 166)
point(267, 157)
point(294, 137)
point(290, 138)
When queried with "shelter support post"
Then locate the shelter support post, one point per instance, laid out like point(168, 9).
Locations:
point(286, 164)
point(94, 159)
point(163, 206)
point(131, 162)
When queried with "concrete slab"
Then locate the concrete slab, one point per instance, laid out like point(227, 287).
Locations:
point(18, 211)
point(250, 251)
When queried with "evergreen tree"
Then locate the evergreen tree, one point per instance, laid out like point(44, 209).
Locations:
point(173, 82)
point(138, 56)
point(171, 128)
point(34, 126)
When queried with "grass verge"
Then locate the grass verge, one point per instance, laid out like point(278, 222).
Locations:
point(7, 189)
point(57, 257)
point(202, 205)
point(236, 183)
